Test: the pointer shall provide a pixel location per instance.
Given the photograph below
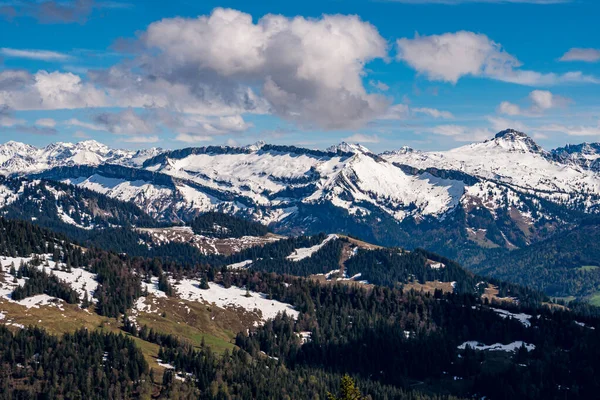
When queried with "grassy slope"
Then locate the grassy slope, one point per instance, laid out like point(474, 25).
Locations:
point(217, 327)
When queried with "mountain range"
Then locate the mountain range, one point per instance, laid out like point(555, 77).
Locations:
point(508, 178)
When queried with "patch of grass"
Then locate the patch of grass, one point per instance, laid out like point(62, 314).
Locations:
point(594, 299)
point(193, 322)
point(55, 320)
point(588, 268)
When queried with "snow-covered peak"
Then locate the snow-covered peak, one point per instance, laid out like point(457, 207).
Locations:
point(93, 146)
point(400, 151)
point(256, 146)
point(348, 148)
point(513, 140)
point(20, 158)
point(11, 147)
point(511, 134)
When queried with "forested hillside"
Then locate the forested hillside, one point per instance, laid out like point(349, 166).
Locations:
point(565, 265)
point(395, 341)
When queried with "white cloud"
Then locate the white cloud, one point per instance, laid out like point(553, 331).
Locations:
point(462, 133)
point(500, 124)
point(404, 111)
point(578, 54)
point(540, 101)
point(191, 128)
point(311, 70)
point(86, 125)
point(6, 118)
point(509, 108)
point(141, 139)
point(451, 56)
point(8, 121)
point(539, 136)
point(432, 112)
point(126, 122)
point(184, 137)
point(573, 130)
point(362, 138)
point(43, 55)
point(396, 112)
point(47, 122)
point(379, 85)
point(44, 90)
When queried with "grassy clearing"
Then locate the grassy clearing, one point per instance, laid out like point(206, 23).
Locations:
point(594, 299)
point(588, 268)
point(194, 322)
point(429, 286)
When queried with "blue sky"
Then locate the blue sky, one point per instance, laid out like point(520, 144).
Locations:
point(313, 73)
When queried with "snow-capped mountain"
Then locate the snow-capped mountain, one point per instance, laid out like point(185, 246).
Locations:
point(513, 159)
point(19, 158)
point(504, 191)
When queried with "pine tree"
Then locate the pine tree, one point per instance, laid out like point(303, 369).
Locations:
point(348, 390)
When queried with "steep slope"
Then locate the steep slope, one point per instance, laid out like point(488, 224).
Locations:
point(66, 208)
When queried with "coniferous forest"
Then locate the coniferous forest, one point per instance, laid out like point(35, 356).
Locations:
point(394, 342)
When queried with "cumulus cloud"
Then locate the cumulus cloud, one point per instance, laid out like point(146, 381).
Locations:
point(126, 122)
point(362, 138)
point(309, 71)
point(540, 101)
point(44, 90)
point(578, 54)
point(451, 56)
point(43, 55)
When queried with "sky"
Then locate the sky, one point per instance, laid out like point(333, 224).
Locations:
point(429, 74)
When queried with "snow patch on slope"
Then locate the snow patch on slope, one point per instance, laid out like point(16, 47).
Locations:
point(511, 347)
point(306, 252)
point(189, 289)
